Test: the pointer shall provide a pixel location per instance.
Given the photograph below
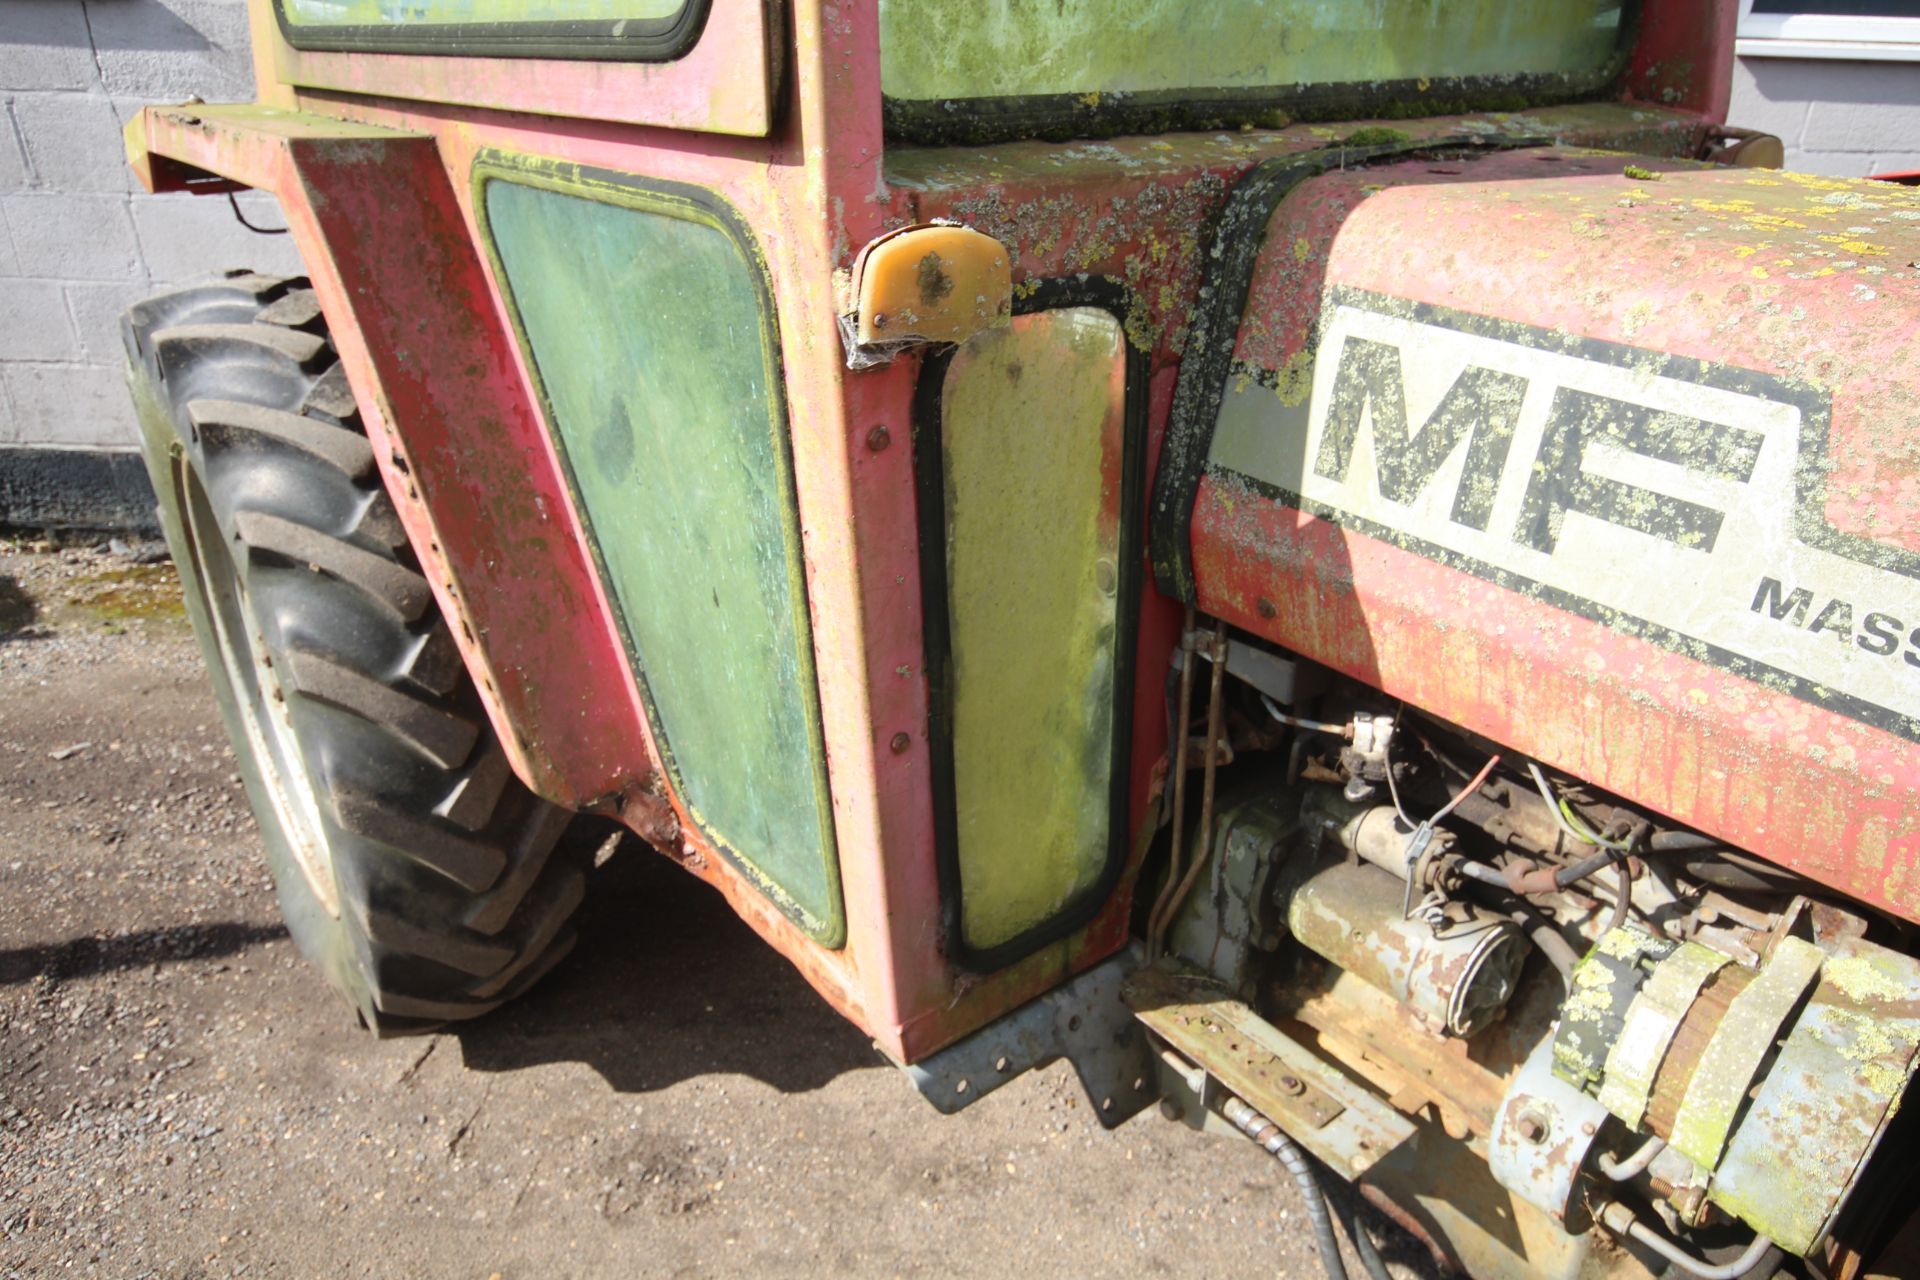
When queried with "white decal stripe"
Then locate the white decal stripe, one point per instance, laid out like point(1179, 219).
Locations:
point(1706, 594)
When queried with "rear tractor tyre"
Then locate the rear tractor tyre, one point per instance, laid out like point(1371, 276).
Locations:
point(413, 868)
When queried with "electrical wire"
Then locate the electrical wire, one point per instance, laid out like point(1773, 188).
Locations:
point(1386, 758)
point(1479, 780)
point(233, 201)
point(1612, 853)
point(1587, 833)
point(1554, 805)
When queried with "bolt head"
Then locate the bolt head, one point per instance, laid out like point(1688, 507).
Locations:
point(900, 743)
point(879, 438)
point(1171, 1110)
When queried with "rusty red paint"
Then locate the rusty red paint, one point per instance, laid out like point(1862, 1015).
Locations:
point(472, 475)
point(1738, 268)
point(723, 84)
point(1680, 58)
point(384, 216)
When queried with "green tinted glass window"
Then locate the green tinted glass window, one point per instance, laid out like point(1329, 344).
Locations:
point(422, 13)
point(648, 30)
point(648, 325)
point(936, 49)
point(1031, 469)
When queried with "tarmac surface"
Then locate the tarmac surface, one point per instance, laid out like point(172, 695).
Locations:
point(181, 1097)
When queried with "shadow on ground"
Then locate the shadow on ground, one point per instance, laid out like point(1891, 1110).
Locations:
point(87, 957)
point(668, 984)
point(18, 610)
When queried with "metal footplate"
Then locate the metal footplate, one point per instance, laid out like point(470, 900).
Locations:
point(1318, 1107)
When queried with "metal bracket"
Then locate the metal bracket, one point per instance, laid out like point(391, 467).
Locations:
point(1271, 674)
point(1083, 1021)
point(1416, 849)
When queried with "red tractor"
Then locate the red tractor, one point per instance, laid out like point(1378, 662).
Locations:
point(1352, 569)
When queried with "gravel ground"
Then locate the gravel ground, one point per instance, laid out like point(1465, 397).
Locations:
point(181, 1097)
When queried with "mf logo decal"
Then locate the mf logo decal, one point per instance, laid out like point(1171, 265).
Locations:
point(1674, 499)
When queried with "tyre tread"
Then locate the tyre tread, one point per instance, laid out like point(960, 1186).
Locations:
point(455, 893)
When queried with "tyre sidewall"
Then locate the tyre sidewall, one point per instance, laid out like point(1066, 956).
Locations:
point(171, 464)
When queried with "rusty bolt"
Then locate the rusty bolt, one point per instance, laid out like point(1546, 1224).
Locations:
point(1171, 1110)
point(900, 743)
point(879, 438)
point(1266, 607)
point(879, 319)
point(1531, 1127)
point(1292, 1085)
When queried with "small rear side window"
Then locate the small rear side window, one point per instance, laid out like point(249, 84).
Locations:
point(648, 30)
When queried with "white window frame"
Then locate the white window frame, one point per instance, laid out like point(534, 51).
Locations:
point(1811, 35)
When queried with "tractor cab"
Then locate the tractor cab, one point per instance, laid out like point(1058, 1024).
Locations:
point(1347, 568)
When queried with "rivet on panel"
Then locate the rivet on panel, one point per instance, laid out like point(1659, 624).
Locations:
point(879, 438)
point(900, 743)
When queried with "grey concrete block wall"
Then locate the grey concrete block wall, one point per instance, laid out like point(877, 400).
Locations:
point(79, 240)
point(1839, 118)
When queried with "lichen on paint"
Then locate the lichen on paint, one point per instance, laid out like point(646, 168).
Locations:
point(1863, 977)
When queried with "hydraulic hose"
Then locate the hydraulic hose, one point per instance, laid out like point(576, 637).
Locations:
point(1543, 935)
point(1281, 1147)
point(1569, 876)
point(1362, 1242)
point(1683, 842)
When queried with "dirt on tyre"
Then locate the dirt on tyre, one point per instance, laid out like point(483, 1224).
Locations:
point(413, 868)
